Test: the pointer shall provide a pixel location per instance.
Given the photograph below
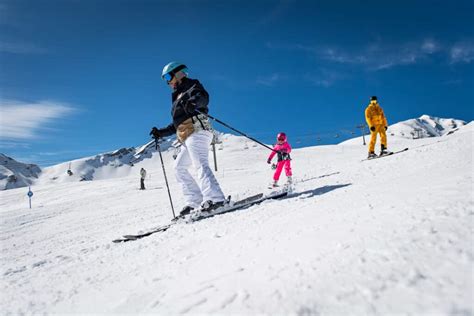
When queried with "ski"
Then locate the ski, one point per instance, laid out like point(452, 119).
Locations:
point(390, 154)
point(200, 215)
point(145, 234)
point(243, 204)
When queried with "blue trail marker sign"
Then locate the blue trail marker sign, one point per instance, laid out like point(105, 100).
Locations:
point(30, 194)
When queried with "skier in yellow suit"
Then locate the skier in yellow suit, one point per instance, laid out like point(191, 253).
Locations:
point(378, 125)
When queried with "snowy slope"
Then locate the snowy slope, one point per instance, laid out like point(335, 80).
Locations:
point(389, 236)
point(14, 174)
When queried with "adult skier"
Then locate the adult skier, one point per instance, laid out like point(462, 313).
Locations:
point(194, 131)
point(142, 178)
point(378, 125)
point(282, 149)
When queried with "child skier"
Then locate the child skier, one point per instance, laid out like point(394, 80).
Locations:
point(282, 148)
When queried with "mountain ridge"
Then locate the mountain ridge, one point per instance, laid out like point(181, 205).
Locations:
point(118, 163)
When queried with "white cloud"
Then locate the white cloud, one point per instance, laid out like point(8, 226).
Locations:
point(379, 55)
point(269, 81)
point(374, 56)
point(462, 53)
point(25, 121)
point(430, 46)
point(325, 78)
point(21, 48)
point(337, 55)
point(13, 144)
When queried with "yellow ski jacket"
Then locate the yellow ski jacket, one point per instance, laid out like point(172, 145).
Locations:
point(374, 115)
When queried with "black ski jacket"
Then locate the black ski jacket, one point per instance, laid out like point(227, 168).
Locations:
point(190, 90)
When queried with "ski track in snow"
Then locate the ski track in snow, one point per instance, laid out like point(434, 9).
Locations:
point(389, 236)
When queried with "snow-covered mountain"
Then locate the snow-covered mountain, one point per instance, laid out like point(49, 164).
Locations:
point(14, 174)
point(108, 165)
point(424, 126)
point(118, 163)
point(392, 236)
point(113, 164)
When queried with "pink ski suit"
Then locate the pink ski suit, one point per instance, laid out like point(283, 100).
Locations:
point(283, 150)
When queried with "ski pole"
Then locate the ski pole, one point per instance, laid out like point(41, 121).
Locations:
point(235, 130)
point(157, 147)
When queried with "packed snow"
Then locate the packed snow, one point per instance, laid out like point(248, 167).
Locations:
point(388, 236)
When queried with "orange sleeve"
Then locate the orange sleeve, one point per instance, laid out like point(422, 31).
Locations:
point(368, 117)
point(384, 118)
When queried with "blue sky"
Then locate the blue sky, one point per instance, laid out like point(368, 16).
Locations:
point(83, 77)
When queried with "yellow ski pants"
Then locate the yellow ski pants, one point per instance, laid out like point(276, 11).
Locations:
point(379, 129)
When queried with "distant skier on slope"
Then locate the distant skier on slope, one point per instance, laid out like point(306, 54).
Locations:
point(194, 131)
point(142, 178)
point(282, 149)
point(378, 125)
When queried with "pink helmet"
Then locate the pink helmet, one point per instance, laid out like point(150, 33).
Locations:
point(281, 137)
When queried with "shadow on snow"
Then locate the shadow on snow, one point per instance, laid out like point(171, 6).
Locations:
point(319, 191)
point(319, 177)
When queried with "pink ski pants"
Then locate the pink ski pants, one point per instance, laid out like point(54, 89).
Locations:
point(287, 165)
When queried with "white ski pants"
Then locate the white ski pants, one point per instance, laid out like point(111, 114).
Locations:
point(195, 151)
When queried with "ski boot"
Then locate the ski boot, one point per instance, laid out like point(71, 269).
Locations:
point(273, 185)
point(289, 185)
point(209, 206)
point(384, 151)
point(371, 155)
point(185, 211)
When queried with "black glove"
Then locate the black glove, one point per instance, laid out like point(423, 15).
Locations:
point(385, 127)
point(274, 166)
point(269, 161)
point(372, 128)
point(155, 133)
